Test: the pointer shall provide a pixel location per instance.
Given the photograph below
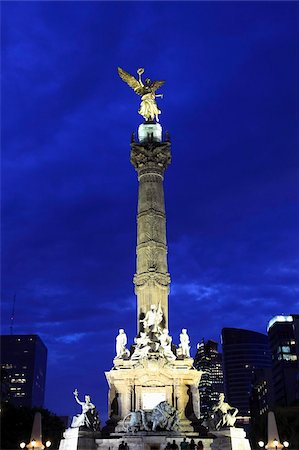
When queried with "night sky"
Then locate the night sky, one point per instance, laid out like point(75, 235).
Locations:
point(69, 192)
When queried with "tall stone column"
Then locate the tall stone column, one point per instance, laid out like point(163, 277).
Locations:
point(150, 157)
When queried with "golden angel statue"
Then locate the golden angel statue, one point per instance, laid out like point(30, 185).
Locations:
point(148, 106)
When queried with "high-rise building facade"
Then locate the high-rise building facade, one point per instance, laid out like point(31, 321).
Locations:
point(283, 332)
point(243, 352)
point(209, 360)
point(262, 393)
point(24, 360)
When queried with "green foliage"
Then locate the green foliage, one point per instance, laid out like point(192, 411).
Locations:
point(16, 426)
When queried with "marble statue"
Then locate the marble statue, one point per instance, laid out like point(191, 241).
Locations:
point(148, 107)
point(165, 345)
point(153, 319)
point(142, 346)
point(195, 400)
point(223, 415)
point(163, 416)
point(184, 344)
point(89, 418)
point(121, 342)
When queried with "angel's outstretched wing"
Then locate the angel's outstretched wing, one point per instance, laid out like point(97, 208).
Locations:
point(156, 84)
point(131, 81)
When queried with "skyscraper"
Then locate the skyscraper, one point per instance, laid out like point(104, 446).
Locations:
point(24, 359)
point(209, 360)
point(283, 332)
point(243, 351)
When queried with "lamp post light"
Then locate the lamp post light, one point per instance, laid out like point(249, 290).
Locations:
point(33, 443)
point(48, 443)
point(22, 444)
point(275, 443)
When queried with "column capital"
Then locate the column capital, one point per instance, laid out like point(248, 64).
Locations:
point(150, 157)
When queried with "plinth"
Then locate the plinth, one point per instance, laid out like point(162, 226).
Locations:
point(143, 384)
point(230, 439)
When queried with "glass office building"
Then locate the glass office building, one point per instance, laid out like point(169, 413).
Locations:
point(24, 361)
point(243, 352)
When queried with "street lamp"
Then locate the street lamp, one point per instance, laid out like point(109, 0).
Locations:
point(34, 444)
point(275, 443)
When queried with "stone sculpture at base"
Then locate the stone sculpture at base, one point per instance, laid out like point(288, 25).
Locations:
point(165, 345)
point(85, 427)
point(223, 415)
point(163, 416)
point(184, 347)
point(153, 319)
point(221, 424)
point(121, 342)
point(89, 418)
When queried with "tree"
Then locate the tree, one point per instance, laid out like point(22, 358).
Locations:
point(16, 426)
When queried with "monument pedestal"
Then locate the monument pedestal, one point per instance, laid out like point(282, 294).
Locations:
point(143, 384)
point(230, 439)
point(79, 439)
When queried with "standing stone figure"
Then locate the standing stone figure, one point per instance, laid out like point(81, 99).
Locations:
point(89, 418)
point(148, 106)
point(184, 343)
point(153, 319)
point(121, 342)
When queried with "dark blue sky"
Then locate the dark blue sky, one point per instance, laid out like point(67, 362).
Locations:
point(69, 192)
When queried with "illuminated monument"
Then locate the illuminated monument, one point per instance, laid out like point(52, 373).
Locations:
point(153, 387)
point(155, 371)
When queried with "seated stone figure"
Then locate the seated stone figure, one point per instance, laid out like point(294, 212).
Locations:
point(223, 415)
point(142, 346)
point(89, 417)
point(165, 345)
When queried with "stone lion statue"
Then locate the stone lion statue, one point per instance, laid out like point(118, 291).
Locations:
point(163, 416)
